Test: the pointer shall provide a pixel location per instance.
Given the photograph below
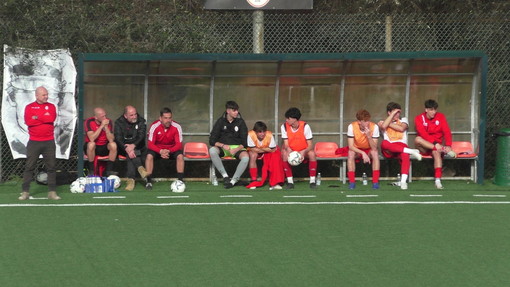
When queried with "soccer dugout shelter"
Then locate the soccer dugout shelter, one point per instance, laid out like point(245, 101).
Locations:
point(328, 89)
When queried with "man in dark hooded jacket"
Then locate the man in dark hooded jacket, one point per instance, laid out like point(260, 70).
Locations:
point(228, 139)
point(130, 131)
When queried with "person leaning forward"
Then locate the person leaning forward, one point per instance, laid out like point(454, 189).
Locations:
point(130, 130)
point(297, 136)
point(228, 138)
point(164, 141)
point(362, 137)
point(100, 140)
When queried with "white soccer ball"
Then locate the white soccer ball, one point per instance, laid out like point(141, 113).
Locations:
point(78, 186)
point(294, 158)
point(42, 177)
point(178, 186)
point(116, 180)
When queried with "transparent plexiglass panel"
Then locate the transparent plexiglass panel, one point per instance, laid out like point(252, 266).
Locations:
point(112, 94)
point(115, 67)
point(246, 68)
point(452, 93)
point(372, 93)
point(254, 95)
point(188, 98)
point(318, 99)
point(191, 68)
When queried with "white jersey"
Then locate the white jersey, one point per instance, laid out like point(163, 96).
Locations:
point(250, 142)
point(307, 132)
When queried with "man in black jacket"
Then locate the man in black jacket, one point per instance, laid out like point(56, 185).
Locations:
point(130, 131)
point(228, 138)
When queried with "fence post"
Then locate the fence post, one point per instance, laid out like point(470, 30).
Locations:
point(389, 22)
point(258, 32)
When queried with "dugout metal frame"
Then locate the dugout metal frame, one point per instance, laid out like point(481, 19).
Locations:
point(477, 98)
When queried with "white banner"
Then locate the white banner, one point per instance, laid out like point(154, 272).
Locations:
point(24, 71)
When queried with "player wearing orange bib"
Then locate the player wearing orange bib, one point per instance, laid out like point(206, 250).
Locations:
point(297, 136)
point(262, 145)
point(394, 145)
point(362, 136)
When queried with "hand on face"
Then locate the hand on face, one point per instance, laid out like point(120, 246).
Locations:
point(395, 114)
point(364, 127)
point(105, 122)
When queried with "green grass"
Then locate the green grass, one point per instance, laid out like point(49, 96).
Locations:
point(267, 239)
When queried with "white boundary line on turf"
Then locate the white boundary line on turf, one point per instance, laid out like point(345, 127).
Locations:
point(241, 196)
point(103, 197)
point(489, 195)
point(362, 195)
point(257, 203)
point(299, 196)
point(425, 195)
point(174, 196)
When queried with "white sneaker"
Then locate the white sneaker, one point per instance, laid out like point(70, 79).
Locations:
point(403, 185)
point(276, 187)
point(439, 185)
point(253, 187)
point(416, 155)
point(450, 154)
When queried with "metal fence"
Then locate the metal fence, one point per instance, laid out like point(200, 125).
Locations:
point(305, 32)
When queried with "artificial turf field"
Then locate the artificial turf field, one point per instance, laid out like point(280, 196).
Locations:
point(209, 236)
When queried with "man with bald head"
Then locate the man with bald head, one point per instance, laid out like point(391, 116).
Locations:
point(40, 118)
point(130, 131)
point(99, 140)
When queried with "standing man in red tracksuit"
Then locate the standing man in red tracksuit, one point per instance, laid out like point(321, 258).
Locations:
point(433, 137)
point(40, 118)
point(164, 141)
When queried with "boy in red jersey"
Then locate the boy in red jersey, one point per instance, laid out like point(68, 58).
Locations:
point(362, 137)
point(262, 145)
point(100, 140)
point(434, 137)
point(394, 145)
point(297, 136)
point(40, 118)
point(164, 141)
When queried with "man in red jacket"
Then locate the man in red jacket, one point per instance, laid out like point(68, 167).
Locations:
point(433, 137)
point(40, 118)
point(164, 141)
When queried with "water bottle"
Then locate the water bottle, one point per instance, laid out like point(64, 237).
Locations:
point(398, 179)
point(318, 180)
point(98, 188)
point(215, 181)
point(365, 180)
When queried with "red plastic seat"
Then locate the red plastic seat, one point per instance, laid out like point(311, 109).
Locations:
point(326, 150)
point(464, 149)
point(196, 150)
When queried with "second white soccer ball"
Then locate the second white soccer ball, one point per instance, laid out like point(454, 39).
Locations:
point(116, 180)
point(78, 186)
point(294, 158)
point(178, 186)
